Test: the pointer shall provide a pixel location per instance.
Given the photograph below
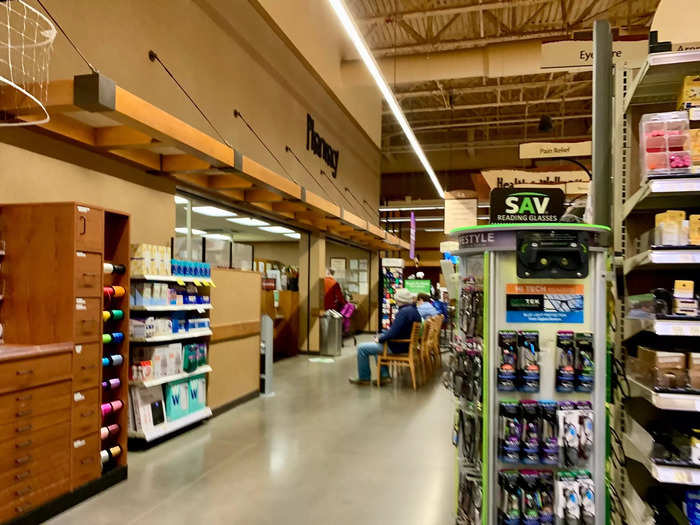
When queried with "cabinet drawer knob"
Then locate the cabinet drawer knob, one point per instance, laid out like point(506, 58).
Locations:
point(20, 509)
point(83, 223)
point(87, 413)
point(23, 492)
point(89, 274)
point(87, 367)
point(23, 413)
point(23, 460)
point(25, 372)
point(24, 444)
point(23, 475)
point(25, 397)
point(86, 460)
point(25, 428)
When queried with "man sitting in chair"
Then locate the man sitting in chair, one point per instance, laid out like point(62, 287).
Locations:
point(425, 307)
point(400, 329)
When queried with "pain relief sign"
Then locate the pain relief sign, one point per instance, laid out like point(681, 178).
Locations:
point(526, 205)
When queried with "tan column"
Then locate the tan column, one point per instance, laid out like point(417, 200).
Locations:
point(303, 292)
point(374, 280)
point(317, 271)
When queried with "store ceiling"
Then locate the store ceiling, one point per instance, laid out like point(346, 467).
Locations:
point(474, 114)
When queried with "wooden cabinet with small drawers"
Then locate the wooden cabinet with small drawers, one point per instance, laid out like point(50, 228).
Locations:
point(51, 391)
point(35, 425)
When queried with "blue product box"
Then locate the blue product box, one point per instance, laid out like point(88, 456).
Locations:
point(177, 400)
point(179, 322)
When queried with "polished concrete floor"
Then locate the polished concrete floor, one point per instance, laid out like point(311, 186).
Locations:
point(320, 451)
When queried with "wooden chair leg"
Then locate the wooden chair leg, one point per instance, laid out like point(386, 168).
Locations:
point(379, 372)
point(412, 367)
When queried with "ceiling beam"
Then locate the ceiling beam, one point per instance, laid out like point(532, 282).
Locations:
point(228, 181)
point(489, 89)
point(551, 100)
point(120, 137)
point(463, 43)
point(414, 34)
point(494, 122)
point(480, 144)
point(442, 11)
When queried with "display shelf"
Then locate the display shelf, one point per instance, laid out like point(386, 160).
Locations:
point(169, 379)
point(660, 77)
point(173, 279)
point(662, 259)
point(173, 337)
point(662, 327)
point(659, 194)
point(681, 402)
point(638, 445)
point(171, 426)
point(170, 308)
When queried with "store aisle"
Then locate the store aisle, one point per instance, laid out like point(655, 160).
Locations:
point(319, 451)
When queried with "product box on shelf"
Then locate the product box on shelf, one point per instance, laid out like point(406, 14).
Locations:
point(689, 95)
point(659, 369)
point(148, 407)
point(198, 393)
point(177, 399)
point(665, 144)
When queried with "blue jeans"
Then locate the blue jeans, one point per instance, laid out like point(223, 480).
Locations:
point(364, 351)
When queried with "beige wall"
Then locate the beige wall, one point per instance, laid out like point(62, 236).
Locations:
point(313, 28)
point(284, 252)
point(227, 57)
point(26, 176)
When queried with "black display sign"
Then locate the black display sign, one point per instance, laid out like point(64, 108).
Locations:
point(526, 205)
point(320, 147)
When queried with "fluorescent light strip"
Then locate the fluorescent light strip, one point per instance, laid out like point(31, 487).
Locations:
point(180, 200)
point(276, 229)
point(293, 235)
point(433, 229)
point(248, 221)
point(213, 211)
point(354, 34)
point(194, 231)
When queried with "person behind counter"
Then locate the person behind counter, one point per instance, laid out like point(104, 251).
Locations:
point(399, 329)
point(333, 298)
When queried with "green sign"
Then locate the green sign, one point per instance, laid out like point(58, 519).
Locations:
point(417, 286)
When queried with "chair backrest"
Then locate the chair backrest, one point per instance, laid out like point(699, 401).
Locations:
point(427, 331)
point(434, 340)
point(415, 339)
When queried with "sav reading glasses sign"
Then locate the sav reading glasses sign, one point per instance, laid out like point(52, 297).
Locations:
point(514, 205)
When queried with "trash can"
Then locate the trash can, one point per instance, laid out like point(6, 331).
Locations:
point(331, 333)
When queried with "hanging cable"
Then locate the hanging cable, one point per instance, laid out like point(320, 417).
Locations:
point(356, 199)
point(92, 68)
point(153, 57)
point(336, 187)
point(290, 150)
point(238, 114)
point(371, 208)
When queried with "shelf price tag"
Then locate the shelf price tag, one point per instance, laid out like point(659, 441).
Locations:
point(211, 283)
point(197, 283)
point(180, 282)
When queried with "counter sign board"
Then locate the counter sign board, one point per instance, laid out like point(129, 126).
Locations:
point(526, 205)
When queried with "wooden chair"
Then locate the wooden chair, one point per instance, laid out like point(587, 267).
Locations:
point(405, 360)
point(434, 342)
point(424, 350)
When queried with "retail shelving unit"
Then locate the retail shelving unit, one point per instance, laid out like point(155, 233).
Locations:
point(392, 280)
point(168, 426)
point(642, 479)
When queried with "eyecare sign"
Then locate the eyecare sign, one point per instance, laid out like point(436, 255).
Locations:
point(526, 205)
